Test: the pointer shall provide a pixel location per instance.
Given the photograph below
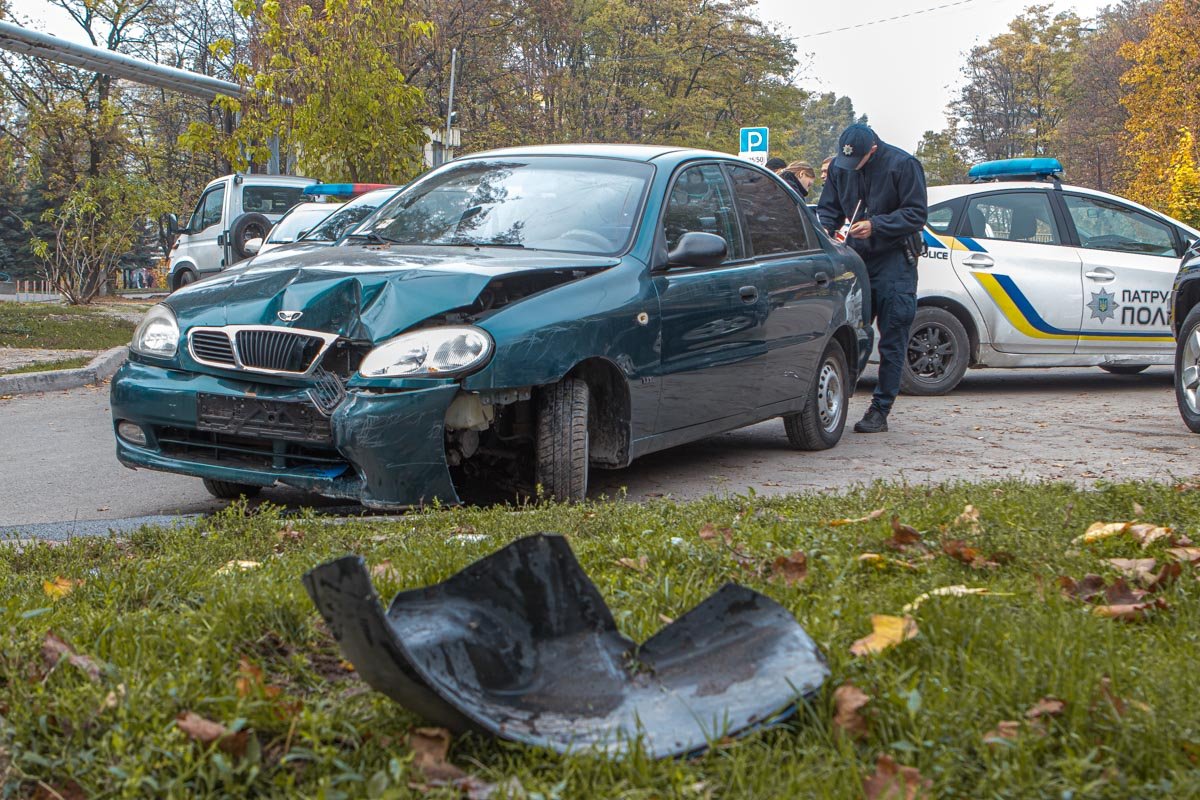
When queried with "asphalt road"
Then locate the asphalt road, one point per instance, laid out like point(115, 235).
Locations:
point(60, 475)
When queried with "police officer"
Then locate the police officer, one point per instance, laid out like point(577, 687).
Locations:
point(877, 193)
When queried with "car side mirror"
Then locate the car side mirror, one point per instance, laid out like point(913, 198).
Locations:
point(252, 246)
point(698, 249)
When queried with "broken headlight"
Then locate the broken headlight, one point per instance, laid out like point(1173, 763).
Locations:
point(157, 335)
point(432, 352)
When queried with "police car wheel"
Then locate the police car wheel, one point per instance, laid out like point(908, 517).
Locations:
point(819, 425)
point(938, 353)
point(1187, 370)
point(228, 490)
point(1124, 369)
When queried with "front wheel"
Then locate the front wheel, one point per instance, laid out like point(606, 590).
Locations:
point(228, 490)
point(939, 352)
point(819, 425)
point(562, 440)
point(1124, 369)
point(1187, 370)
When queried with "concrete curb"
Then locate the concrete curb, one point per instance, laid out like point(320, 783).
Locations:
point(99, 368)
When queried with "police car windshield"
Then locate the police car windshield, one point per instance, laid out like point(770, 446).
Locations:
point(348, 216)
point(297, 221)
point(571, 204)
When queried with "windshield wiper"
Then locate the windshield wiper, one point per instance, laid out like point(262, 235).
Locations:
point(464, 242)
point(373, 238)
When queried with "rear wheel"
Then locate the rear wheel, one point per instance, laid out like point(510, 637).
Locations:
point(228, 490)
point(939, 352)
point(1187, 370)
point(562, 440)
point(1124, 369)
point(184, 277)
point(819, 425)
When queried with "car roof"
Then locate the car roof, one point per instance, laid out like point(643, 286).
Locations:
point(628, 152)
point(940, 194)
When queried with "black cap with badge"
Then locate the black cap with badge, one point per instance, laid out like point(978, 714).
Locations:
point(854, 143)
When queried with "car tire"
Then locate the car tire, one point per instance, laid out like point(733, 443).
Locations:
point(228, 490)
point(1124, 369)
point(939, 352)
point(184, 277)
point(819, 424)
point(244, 228)
point(562, 440)
point(1187, 370)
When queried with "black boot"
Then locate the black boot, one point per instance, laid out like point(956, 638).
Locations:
point(874, 421)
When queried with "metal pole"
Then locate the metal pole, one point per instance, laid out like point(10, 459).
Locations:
point(450, 102)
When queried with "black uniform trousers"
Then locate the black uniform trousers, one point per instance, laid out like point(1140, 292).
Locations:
point(893, 307)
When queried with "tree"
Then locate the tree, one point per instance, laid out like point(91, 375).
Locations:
point(1092, 127)
point(941, 157)
point(819, 121)
point(1011, 103)
point(1162, 99)
point(1183, 197)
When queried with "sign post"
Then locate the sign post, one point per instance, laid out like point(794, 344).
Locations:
point(753, 144)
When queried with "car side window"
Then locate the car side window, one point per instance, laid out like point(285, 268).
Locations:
point(772, 220)
point(699, 200)
point(942, 217)
point(1013, 217)
point(1108, 226)
point(270, 199)
point(208, 210)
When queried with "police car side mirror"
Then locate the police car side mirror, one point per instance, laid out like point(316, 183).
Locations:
point(698, 249)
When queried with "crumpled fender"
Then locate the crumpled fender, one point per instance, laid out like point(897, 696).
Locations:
point(396, 442)
point(521, 645)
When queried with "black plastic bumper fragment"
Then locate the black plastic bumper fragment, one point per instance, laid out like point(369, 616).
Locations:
point(520, 644)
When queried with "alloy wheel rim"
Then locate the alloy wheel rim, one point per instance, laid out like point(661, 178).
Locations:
point(829, 397)
point(931, 352)
point(1190, 371)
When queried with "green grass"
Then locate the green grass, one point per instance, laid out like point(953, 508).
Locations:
point(172, 634)
point(42, 366)
point(59, 327)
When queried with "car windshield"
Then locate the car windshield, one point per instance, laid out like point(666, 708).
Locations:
point(572, 204)
point(345, 218)
point(297, 221)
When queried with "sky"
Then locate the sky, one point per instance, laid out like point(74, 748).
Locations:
point(901, 73)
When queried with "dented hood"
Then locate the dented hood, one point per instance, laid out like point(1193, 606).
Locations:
point(366, 293)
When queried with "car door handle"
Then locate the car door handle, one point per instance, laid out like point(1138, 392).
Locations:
point(749, 294)
point(1100, 274)
point(822, 278)
point(979, 260)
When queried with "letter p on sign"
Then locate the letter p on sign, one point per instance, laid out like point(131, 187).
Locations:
point(753, 144)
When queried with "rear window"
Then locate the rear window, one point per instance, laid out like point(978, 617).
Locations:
point(270, 199)
point(942, 217)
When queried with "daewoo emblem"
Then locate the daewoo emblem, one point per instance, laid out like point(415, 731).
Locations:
point(289, 316)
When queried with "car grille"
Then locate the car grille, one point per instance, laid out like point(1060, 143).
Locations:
point(210, 447)
point(259, 348)
point(213, 346)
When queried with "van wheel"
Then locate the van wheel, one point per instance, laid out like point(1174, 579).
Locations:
point(938, 353)
point(819, 425)
point(562, 440)
point(1187, 370)
point(244, 228)
point(184, 277)
point(1124, 369)
point(228, 490)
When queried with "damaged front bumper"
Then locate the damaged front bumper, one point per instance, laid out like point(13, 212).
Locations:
point(381, 446)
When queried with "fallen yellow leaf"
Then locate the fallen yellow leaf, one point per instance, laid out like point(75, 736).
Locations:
point(1101, 530)
point(883, 562)
point(887, 632)
point(237, 566)
point(60, 587)
point(951, 591)
point(1149, 534)
point(876, 514)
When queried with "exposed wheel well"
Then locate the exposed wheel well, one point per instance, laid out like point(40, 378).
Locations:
point(849, 342)
point(177, 274)
point(962, 315)
point(1185, 300)
point(609, 412)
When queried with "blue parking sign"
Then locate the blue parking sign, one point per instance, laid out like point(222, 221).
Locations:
point(754, 140)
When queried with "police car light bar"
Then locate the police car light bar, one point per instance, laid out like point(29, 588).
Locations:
point(1016, 169)
point(344, 189)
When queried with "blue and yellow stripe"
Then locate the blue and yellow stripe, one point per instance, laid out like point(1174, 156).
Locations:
point(939, 242)
point(1021, 314)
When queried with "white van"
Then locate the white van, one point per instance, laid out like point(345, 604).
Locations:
point(232, 210)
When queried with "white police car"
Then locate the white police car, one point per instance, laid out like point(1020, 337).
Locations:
point(1024, 271)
